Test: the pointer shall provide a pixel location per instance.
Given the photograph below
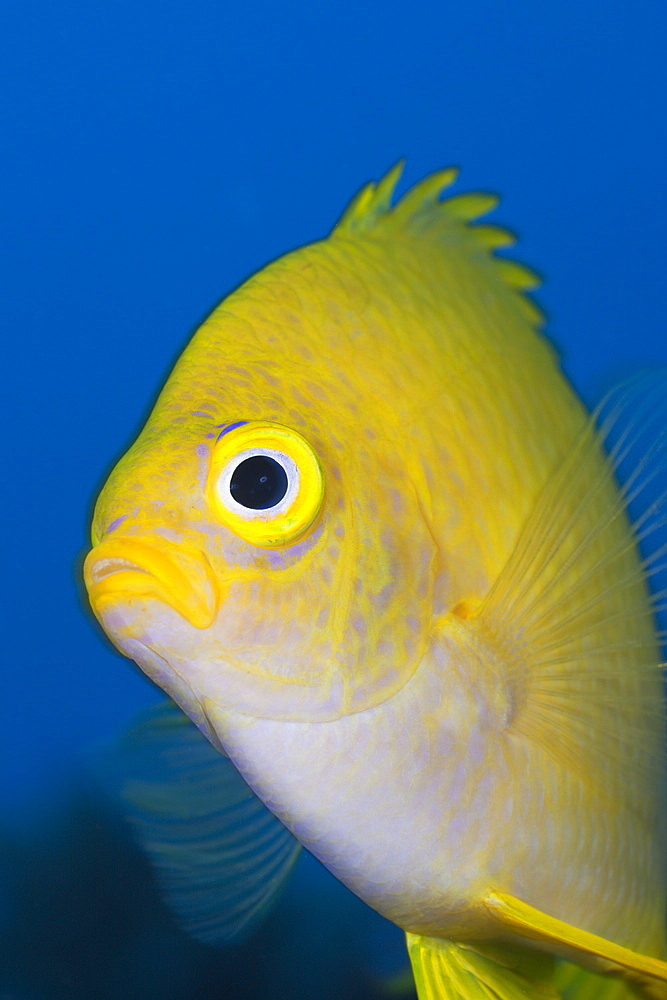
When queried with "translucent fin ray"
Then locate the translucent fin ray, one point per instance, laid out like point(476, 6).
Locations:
point(221, 858)
point(572, 608)
point(448, 970)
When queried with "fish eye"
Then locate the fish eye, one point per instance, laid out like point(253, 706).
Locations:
point(259, 482)
point(265, 483)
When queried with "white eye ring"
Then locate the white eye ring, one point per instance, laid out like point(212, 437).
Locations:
point(224, 493)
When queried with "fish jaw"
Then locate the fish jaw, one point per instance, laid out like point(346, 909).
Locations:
point(179, 576)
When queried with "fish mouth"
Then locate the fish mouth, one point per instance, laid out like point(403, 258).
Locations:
point(123, 569)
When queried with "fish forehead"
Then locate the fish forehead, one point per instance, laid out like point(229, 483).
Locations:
point(343, 320)
point(384, 337)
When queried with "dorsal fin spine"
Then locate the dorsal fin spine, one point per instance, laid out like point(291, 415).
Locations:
point(423, 211)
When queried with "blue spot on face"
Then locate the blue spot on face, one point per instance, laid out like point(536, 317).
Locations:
point(114, 524)
point(226, 428)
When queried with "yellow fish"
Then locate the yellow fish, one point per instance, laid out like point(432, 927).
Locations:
point(370, 542)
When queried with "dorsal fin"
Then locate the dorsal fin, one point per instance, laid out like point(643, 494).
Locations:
point(423, 212)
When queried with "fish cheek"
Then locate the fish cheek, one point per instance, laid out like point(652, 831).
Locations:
point(390, 614)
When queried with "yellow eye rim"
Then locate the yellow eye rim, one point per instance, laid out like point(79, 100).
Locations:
point(296, 513)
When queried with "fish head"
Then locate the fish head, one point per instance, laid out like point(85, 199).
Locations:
point(264, 546)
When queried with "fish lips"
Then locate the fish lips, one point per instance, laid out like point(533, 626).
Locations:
point(132, 568)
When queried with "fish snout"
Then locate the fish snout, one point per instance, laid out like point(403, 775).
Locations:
point(120, 569)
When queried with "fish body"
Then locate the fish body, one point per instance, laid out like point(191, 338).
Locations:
point(433, 655)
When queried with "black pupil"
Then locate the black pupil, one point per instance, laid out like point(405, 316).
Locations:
point(258, 482)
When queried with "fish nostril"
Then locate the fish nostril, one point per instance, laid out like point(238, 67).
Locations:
point(106, 567)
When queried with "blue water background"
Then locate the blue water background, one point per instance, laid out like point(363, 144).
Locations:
point(156, 154)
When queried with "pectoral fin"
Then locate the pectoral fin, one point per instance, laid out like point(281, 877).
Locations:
point(221, 858)
point(514, 915)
